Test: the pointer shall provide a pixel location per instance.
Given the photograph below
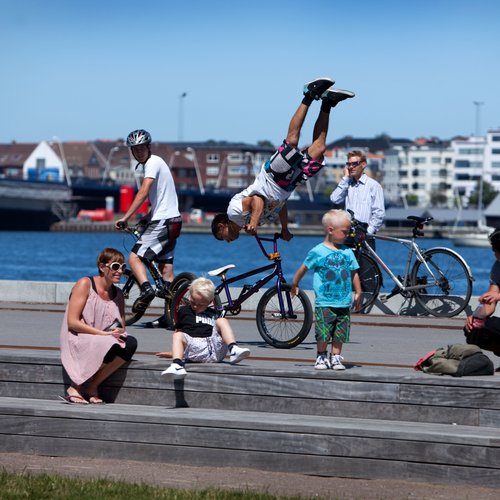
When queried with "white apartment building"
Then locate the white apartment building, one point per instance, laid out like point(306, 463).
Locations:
point(426, 172)
point(476, 158)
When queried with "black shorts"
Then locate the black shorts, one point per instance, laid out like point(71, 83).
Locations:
point(158, 240)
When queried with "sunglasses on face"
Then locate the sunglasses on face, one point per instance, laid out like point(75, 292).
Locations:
point(353, 163)
point(116, 266)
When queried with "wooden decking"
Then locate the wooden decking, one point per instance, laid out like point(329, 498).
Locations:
point(370, 423)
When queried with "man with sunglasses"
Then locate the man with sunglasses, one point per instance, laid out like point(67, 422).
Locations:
point(158, 240)
point(360, 193)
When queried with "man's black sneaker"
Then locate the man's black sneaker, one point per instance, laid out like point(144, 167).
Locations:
point(316, 88)
point(143, 301)
point(334, 96)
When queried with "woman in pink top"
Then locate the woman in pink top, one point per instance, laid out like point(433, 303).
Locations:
point(94, 344)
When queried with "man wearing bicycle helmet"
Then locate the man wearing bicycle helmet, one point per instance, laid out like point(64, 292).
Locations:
point(158, 240)
point(265, 200)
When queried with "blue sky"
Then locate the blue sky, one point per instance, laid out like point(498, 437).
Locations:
point(98, 69)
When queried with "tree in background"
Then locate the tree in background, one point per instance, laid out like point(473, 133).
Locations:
point(489, 194)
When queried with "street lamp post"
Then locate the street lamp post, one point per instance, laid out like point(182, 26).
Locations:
point(108, 162)
point(221, 173)
point(478, 105)
point(197, 169)
point(63, 159)
point(181, 116)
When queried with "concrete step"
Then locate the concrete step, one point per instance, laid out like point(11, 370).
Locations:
point(307, 444)
point(381, 393)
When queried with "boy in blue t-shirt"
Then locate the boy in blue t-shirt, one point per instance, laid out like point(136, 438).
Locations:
point(335, 275)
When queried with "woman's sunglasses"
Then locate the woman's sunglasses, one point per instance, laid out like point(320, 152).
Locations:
point(116, 266)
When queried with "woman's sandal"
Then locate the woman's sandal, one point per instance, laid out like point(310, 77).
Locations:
point(74, 399)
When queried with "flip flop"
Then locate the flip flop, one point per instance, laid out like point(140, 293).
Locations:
point(74, 399)
point(96, 400)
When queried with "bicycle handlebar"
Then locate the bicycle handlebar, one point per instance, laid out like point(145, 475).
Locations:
point(362, 227)
point(275, 254)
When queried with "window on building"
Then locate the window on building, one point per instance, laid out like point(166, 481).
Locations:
point(237, 170)
point(462, 177)
point(495, 164)
point(236, 183)
point(462, 164)
point(213, 171)
point(234, 157)
point(495, 151)
point(495, 138)
point(470, 151)
point(435, 159)
point(417, 160)
point(212, 158)
point(40, 163)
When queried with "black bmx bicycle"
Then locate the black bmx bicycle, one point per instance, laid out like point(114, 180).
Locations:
point(131, 289)
point(283, 319)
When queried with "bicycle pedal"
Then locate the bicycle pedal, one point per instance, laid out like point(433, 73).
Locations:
point(383, 298)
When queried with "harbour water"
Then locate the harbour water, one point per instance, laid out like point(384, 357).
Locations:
point(48, 256)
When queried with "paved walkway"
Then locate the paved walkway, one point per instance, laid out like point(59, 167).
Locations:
point(376, 340)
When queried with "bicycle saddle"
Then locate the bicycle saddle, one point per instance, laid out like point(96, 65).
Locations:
point(221, 270)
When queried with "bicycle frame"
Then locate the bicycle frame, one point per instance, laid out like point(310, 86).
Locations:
point(413, 250)
point(249, 290)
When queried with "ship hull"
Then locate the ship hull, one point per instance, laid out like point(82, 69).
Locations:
point(31, 206)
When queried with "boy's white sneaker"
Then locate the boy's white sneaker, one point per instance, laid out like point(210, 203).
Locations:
point(176, 370)
point(322, 362)
point(336, 362)
point(238, 354)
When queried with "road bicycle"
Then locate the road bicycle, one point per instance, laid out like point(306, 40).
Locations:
point(131, 289)
point(438, 279)
point(283, 320)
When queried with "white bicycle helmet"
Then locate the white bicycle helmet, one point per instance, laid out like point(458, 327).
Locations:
point(138, 137)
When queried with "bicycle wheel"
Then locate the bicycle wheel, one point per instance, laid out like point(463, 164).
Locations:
point(449, 286)
point(131, 290)
point(371, 281)
point(288, 330)
point(181, 298)
point(178, 281)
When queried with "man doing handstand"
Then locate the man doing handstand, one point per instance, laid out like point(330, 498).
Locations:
point(265, 199)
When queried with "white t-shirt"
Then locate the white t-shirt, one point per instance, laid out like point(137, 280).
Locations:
point(162, 195)
point(265, 186)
